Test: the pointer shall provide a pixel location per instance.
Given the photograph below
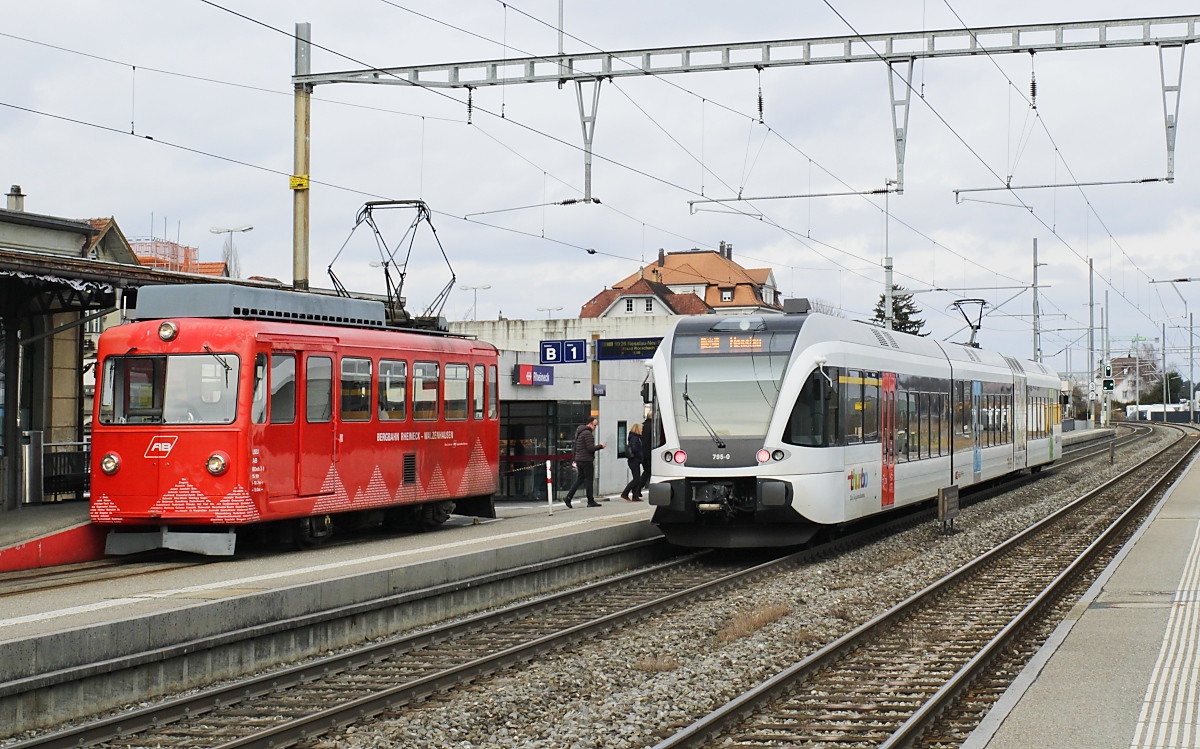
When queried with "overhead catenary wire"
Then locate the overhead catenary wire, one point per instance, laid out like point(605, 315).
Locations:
point(265, 90)
point(985, 163)
point(1059, 156)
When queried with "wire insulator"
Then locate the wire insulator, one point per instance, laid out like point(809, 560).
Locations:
point(1032, 91)
point(760, 97)
point(470, 103)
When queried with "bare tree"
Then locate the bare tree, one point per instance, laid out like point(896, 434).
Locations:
point(825, 308)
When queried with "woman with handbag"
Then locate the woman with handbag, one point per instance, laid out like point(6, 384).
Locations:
point(633, 456)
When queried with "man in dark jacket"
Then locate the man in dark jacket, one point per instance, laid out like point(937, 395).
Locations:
point(585, 461)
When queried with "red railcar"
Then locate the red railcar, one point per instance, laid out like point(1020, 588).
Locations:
point(204, 424)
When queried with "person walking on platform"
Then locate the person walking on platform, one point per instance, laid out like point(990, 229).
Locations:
point(633, 456)
point(647, 439)
point(585, 461)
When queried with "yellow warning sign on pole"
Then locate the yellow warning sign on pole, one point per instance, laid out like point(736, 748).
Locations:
point(298, 182)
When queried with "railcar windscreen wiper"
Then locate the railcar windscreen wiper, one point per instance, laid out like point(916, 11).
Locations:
point(690, 405)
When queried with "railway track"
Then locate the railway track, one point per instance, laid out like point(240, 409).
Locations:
point(928, 667)
point(299, 703)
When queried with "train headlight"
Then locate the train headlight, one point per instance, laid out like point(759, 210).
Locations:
point(217, 464)
point(168, 330)
point(110, 463)
point(669, 456)
point(763, 455)
point(777, 455)
point(680, 457)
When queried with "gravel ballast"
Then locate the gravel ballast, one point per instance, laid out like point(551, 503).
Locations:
point(621, 690)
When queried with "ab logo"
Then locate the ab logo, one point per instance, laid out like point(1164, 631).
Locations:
point(858, 479)
point(160, 445)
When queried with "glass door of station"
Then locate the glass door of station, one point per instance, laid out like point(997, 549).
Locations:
point(532, 432)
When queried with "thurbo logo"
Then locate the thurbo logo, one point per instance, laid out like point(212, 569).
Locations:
point(858, 479)
point(160, 445)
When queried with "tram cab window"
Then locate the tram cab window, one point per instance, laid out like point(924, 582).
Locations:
point(477, 386)
point(356, 389)
point(283, 388)
point(454, 404)
point(318, 389)
point(426, 376)
point(258, 406)
point(176, 389)
point(852, 413)
point(393, 390)
point(813, 422)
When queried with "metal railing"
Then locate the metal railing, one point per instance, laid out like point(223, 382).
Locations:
point(66, 468)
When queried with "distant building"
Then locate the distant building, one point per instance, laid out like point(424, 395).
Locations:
point(692, 282)
point(164, 254)
point(1128, 380)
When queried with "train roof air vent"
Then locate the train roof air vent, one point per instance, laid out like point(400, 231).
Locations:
point(879, 337)
point(890, 340)
point(230, 300)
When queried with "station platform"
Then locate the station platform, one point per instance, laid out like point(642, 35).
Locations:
point(1123, 669)
point(48, 535)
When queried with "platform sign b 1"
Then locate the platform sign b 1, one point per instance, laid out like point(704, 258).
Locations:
point(562, 352)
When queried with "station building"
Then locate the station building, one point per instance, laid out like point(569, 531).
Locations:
point(542, 402)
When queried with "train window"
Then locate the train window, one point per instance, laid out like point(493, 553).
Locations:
point(425, 390)
point(356, 389)
point(393, 390)
point(454, 404)
point(493, 393)
point(852, 406)
point(902, 429)
point(258, 406)
point(813, 422)
point(283, 388)
point(871, 384)
point(477, 387)
point(318, 389)
point(144, 389)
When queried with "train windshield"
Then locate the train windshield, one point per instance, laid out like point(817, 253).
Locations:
point(178, 389)
point(730, 379)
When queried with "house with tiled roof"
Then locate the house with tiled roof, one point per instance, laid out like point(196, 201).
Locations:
point(691, 282)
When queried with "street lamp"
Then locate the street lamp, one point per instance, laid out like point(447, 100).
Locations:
point(231, 260)
point(476, 289)
point(548, 310)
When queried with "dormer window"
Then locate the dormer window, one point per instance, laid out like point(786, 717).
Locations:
point(629, 305)
point(726, 295)
point(649, 305)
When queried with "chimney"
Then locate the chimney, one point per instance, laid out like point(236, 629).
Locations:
point(16, 199)
point(662, 257)
point(721, 248)
point(729, 251)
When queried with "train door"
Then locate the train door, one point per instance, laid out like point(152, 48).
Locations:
point(279, 434)
point(317, 450)
point(976, 419)
point(1020, 406)
point(887, 424)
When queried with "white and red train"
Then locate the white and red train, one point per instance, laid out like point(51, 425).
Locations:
point(224, 407)
point(773, 427)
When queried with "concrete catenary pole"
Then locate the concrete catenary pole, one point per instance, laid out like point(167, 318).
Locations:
point(1037, 312)
point(1092, 410)
point(1164, 371)
point(299, 180)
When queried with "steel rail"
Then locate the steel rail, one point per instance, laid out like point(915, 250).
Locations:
point(912, 728)
point(89, 734)
point(716, 721)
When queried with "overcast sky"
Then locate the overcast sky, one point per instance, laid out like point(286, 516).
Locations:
point(659, 143)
